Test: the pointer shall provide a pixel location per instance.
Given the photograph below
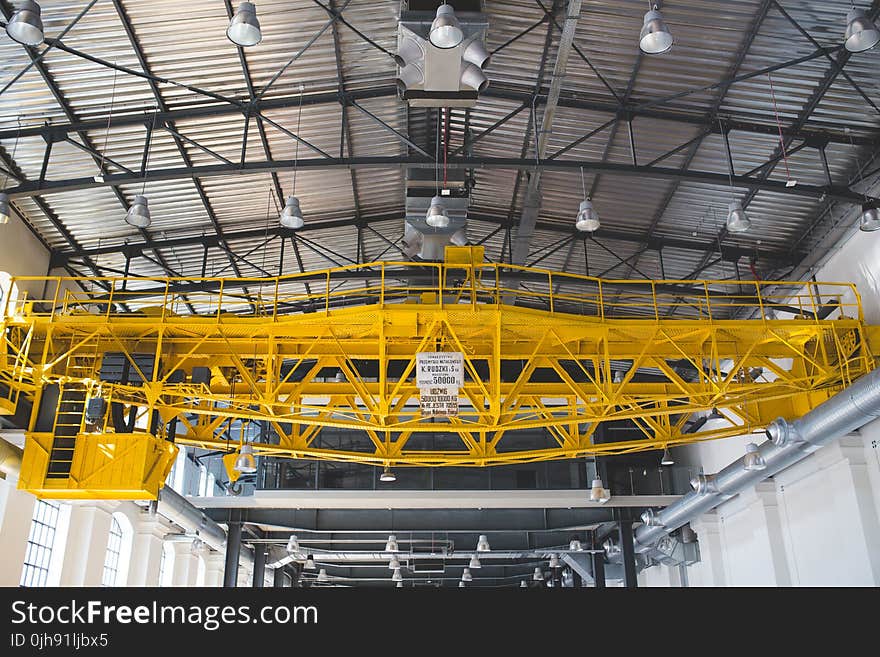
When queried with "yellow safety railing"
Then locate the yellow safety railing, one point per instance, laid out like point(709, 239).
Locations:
point(433, 283)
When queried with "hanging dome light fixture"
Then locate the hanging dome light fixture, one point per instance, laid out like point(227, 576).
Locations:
point(246, 463)
point(861, 32)
point(25, 26)
point(445, 29)
point(244, 28)
point(869, 221)
point(291, 215)
point(655, 38)
point(587, 219)
point(437, 216)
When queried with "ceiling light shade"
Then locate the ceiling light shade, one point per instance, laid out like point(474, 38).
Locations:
point(466, 575)
point(461, 585)
point(482, 543)
point(394, 564)
point(667, 458)
point(5, 212)
point(388, 476)
point(391, 544)
point(246, 463)
point(322, 575)
point(293, 543)
point(340, 377)
point(655, 37)
point(587, 218)
point(737, 219)
point(446, 30)
point(753, 459)
point(410, 59)
point(396, 577)
point(26, 26)
point(139, 214)
point(399, 584)
point(523, 584)
point(538, 575)
point(291, 215)
point(476, 54)
point(244, 28)
point(597, 491)
point(861, 32)
point(474, 562)
point(575, 545)
point(554, 561)
point(437, 217)
point(310, 563)
point(870, 219)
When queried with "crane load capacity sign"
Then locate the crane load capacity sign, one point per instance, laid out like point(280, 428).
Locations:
point(439, 375)
point(439, 368)
point(441, 401)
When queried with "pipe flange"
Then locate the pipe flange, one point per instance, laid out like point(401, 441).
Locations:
point(781, 433)
point(704, 484)
point(651, 518)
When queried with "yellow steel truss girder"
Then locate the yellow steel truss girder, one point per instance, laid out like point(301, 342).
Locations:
point(253, 361)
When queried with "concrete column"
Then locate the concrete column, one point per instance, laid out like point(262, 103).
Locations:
point(214, 562)
point(186, 565)
point(146, 552)
point(16, 514)
point(752, 539)
point(710, 569)
point(86, 548)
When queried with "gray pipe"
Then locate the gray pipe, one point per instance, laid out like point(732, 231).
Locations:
point(843, 413)
point(178, 510)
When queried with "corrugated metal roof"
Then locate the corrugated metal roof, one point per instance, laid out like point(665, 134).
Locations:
point(186, 44)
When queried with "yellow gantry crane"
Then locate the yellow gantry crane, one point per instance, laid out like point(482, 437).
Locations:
point(120, 371)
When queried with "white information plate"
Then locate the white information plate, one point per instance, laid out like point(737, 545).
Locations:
point(436, 369)
point(440, 401)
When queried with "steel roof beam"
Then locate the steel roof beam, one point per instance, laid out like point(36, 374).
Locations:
point(48, 187)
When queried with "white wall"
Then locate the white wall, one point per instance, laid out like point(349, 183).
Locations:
point(22, 254)
point(816, 523)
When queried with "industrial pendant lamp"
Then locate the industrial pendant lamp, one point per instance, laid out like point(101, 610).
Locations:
point(554, 561)
point(26, 26)
point(861, 32)
point(445, 29)
point(466, 575)
point(461, 585)
point(474, 562)
point(245, 463)
point(291, 215)
point(598, 493)
point(391, 544)
point(587, 219)
point(538, 576)
point(394, 564)
point(397, 577)
point(666, 459)
point(5, 212)
point(523, 584)
point(138, 214)
point(322, 575)
point(244, 28)
point(387, 475)
point(293, 544)
point(655, 38)
point(737, 219)
point(310, 563)
point(399, 585)
point(870, 218)
point(483, 543)
point(753, 460)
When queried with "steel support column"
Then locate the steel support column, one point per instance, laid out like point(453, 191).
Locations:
point(598, 562)
point(233, 549)
point(625, 532)
point(259, 565)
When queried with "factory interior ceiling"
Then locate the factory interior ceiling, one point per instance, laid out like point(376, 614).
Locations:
point(757, 101)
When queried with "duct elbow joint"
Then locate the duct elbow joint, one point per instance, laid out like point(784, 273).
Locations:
point(704, 484)
point(781, 433)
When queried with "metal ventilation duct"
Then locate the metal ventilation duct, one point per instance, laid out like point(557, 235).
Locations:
point(432, 76)
point(789, 443)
